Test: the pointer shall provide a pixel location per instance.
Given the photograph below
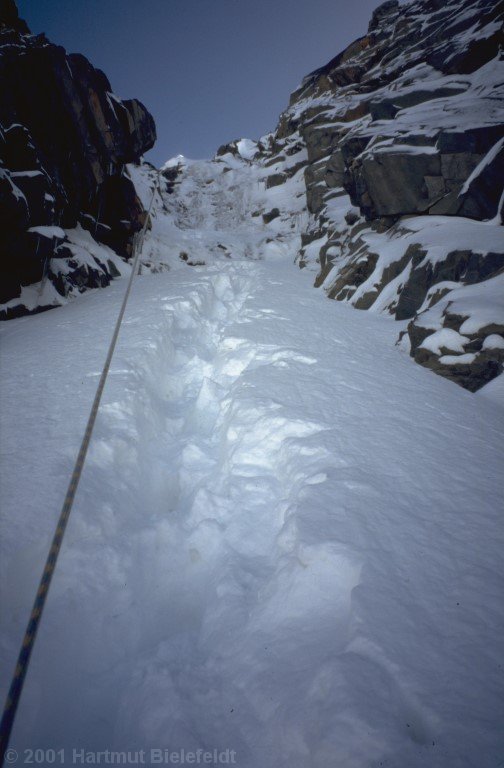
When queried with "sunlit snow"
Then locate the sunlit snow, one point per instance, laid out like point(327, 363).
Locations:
point(287, 538)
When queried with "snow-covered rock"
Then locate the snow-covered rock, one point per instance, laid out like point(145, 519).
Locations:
point(64, 140)
point(407, 122)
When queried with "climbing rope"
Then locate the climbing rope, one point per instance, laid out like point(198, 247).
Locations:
point(23, 660)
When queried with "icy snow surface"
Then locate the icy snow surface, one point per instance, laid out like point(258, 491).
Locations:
point(287, 540)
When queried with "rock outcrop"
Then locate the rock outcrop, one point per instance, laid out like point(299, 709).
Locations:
point(404, 140)
point(64, 141)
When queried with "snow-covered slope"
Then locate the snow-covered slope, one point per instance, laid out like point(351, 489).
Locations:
point(208, 209)
point(287, 542)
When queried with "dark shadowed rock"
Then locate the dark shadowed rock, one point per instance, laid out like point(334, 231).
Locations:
point(9, 18)
point(271, 215)
point(471, 374)
point(64, 141)
point(275, 179)
point(384, 11)
point(387, 109)
point(393, 183)
point(353, 275)
point(481, 199)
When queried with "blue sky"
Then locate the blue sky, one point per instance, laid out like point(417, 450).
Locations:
point(208, 70)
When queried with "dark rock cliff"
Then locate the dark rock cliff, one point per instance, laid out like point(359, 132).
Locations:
point(64, 142)
point(404, 139)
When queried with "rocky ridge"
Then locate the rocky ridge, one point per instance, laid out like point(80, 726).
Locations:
point(65, 139)
point(404, 141)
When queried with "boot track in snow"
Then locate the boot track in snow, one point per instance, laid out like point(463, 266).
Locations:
point(264, 555)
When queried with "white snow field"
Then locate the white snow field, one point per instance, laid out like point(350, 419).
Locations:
point(287, 541)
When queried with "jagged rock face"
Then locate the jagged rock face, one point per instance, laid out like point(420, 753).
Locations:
point(9, 17)
point(64, 141)
point(401, 129)
point(397, 107)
